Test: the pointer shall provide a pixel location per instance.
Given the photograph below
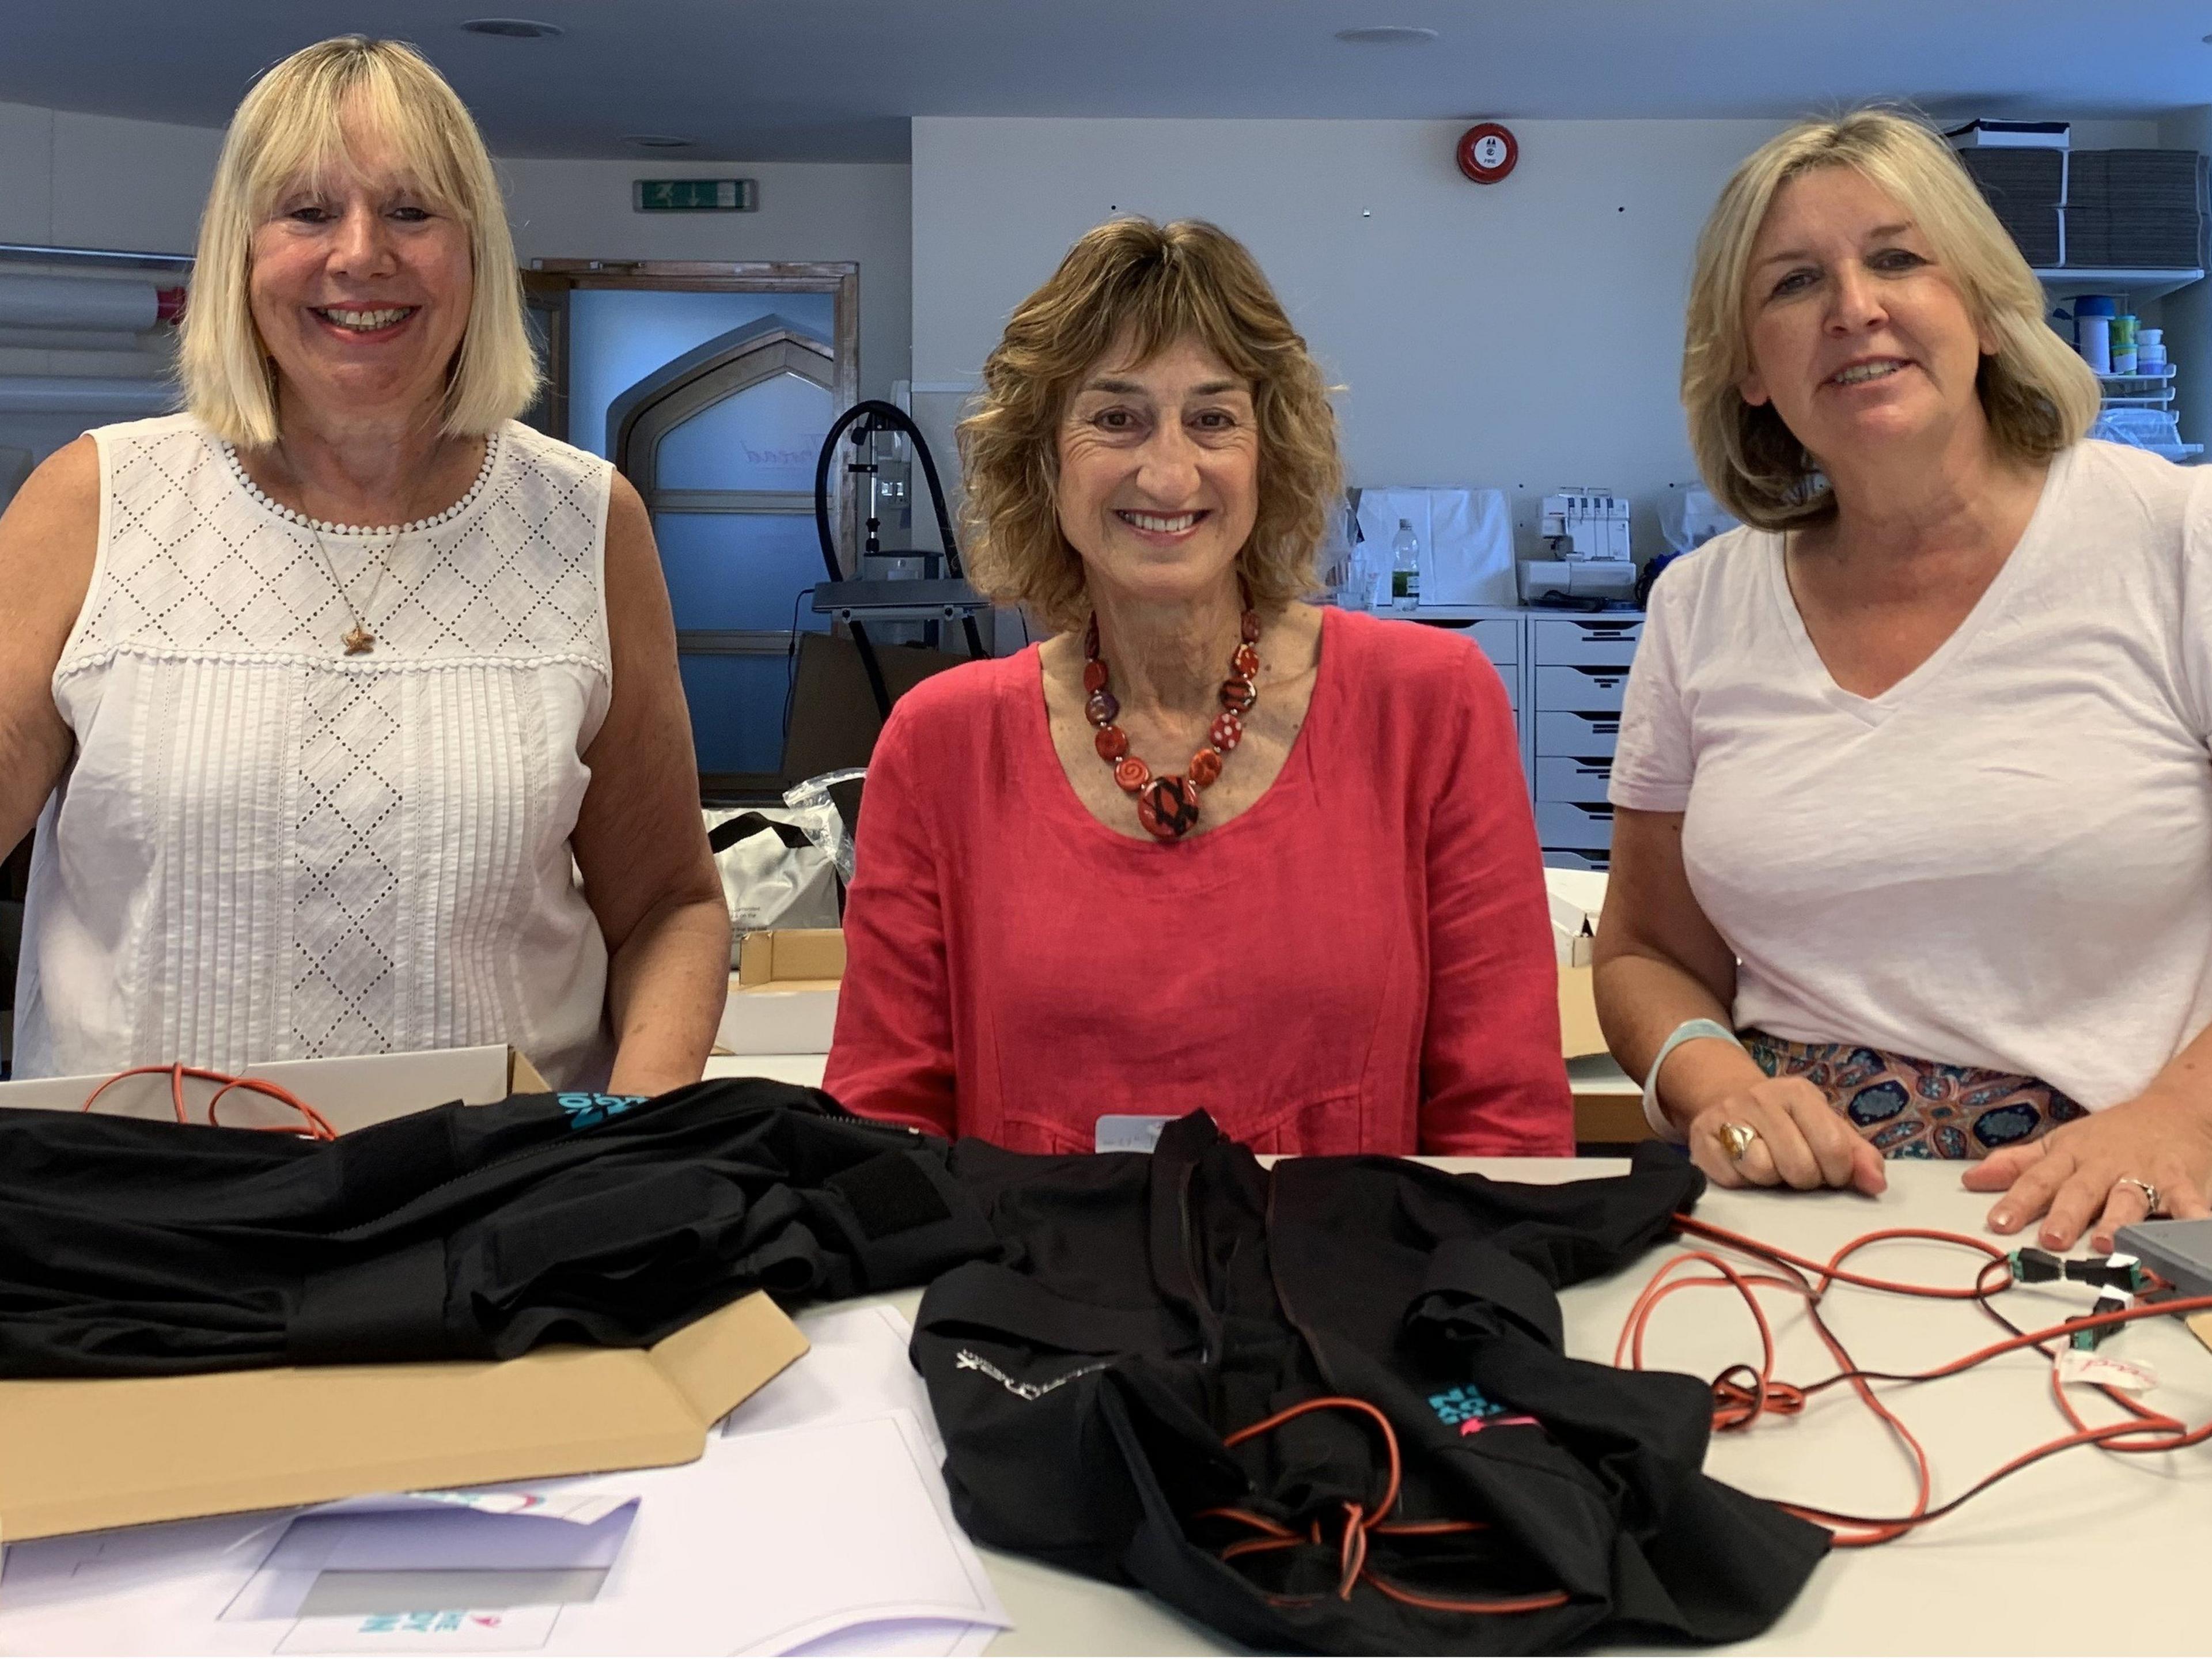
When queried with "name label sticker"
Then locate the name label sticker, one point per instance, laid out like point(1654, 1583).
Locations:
point(1120, 1132)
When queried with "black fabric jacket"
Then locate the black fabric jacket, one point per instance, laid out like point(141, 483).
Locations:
point(1146, 1307)
point(130, 1247)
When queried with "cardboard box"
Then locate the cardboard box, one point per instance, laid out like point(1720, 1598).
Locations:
point(83, 1454)
point(351, 1092)
point(783, 998)
point(1578, 1029)
point(87, 1453)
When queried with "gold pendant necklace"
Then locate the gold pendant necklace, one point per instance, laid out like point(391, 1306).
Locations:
point(357, 640)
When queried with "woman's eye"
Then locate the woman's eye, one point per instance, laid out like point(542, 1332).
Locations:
point(1896, 258)
point(410, 214)
point(1215, 420)
point(309, 213)
point(1795, 282)
point(1115, 419)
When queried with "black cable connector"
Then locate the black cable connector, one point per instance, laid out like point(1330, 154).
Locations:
point(2032, 1267)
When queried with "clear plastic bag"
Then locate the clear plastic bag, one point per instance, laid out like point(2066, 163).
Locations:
point(818, 815)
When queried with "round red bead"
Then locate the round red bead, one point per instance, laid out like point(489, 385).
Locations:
point(1094, 676)
point(1168, 807)
point(1238, 694)
point(1112, 743)
point(1103, 708)
point(1250, 629)
point(1246, 662)
point(1204, 766)
point(1132, 774)
point(1228, 732)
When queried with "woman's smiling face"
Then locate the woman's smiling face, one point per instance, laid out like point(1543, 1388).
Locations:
point(1859, 339)
point(361, 284)
point(1159, 464)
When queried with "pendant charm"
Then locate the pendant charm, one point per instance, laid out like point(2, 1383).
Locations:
point(1168, 807)
point(358, 639)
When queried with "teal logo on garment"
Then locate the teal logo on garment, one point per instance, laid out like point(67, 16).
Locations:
point(587, 1111)
point(1469, 1410)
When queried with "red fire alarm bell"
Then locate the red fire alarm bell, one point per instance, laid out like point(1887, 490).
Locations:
point(1487, 152)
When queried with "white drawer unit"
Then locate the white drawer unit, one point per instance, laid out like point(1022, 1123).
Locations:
point(1572, 777)
point(1565, 731)
point(1558, 857)
point(1582, 826)
point(1594, 641)
point(1499, 638)
point(1577, 675)
point(1581, 690)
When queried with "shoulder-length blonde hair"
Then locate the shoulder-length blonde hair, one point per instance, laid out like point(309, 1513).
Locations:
point(293, 125)
point(2038, 394)
point(1138, 286)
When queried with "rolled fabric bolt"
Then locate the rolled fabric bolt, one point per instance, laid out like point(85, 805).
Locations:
point(126, 307)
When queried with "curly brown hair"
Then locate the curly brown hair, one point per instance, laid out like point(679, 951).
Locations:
point(1140, 286)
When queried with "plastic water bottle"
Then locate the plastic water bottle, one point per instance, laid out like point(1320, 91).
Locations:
point(1406, 567)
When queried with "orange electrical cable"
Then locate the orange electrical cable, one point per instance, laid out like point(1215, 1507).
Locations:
point(1743, 1393)
point(318, 1127)
point(1358, 1524)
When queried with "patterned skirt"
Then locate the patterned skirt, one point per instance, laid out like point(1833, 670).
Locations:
point(1911, 1108)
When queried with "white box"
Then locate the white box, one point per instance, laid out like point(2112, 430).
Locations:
point(352, 1091)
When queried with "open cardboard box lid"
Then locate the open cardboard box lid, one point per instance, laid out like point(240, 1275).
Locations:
point(81, 1455)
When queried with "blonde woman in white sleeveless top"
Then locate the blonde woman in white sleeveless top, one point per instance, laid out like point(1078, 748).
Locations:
point(346, 706)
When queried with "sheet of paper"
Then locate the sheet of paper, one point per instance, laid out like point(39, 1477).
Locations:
point(931, 1636)
point(857, 1367)
point(778, 1538)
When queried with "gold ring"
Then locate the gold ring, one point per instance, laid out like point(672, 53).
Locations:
point(1736, 1139)
point(2150, 1193)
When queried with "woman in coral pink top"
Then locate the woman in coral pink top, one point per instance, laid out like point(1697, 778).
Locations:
point(1206, 846)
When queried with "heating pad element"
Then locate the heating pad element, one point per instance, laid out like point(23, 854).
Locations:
point(130, 1248)
point(1325, 1407)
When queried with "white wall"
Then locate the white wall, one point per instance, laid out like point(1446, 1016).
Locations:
point(99, 181)
point(808, 210)
point(1525, 335)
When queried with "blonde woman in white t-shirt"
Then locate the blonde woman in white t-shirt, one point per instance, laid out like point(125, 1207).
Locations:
point(1912, 852)
point(350, 702)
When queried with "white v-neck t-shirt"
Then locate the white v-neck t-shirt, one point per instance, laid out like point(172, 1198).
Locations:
point(2005, 859)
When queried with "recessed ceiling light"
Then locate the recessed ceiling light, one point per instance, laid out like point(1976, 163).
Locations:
point(1387, 34)
point(511, 28)
point(658, 140)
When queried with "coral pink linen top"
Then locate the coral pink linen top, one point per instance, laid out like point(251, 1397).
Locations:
point(1362, 962)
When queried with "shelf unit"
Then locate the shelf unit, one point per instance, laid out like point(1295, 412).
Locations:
point(2131, 287)
point(2068, 281)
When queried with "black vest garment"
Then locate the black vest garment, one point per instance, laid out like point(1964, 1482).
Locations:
point(1146, 1306)
point(131, 1247)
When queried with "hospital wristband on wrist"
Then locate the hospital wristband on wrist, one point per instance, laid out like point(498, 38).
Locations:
point(1689, 1028)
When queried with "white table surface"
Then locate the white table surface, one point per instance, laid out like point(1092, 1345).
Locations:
point(2086, 1553)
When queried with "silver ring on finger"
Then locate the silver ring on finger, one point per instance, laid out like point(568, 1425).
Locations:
point(2150, 1192)
point(1736, 1139)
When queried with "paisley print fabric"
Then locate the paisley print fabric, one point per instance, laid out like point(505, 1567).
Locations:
point(1910, 1107)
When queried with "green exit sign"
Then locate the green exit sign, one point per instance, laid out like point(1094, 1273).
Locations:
point(694, 195)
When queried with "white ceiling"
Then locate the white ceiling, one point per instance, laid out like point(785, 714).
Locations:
point(837, 79)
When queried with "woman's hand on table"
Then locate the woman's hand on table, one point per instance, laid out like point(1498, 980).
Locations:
point(1799, 1140)
point(2081, 1175)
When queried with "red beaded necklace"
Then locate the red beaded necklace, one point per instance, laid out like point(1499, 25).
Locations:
point(1168, 806)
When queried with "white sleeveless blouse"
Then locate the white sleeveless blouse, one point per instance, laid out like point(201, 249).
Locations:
point(265, 849)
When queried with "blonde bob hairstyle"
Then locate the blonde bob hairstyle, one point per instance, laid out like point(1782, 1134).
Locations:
point(292, 125)
point(1133, 288)
point(2037, 393)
